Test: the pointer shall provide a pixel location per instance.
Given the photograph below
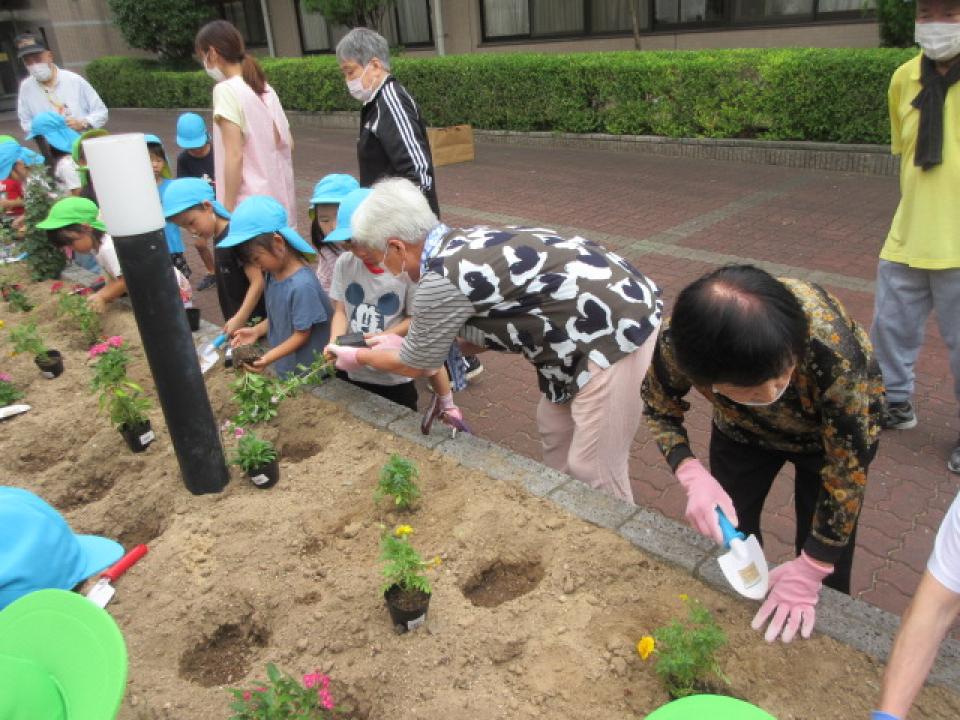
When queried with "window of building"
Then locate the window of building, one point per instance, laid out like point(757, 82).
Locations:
point(407, 23)
point(247, 16)
point(530, 19)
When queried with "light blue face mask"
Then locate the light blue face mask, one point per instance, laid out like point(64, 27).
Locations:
point(753, 404)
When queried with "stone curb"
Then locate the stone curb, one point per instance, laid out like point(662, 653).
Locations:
point(838, 157)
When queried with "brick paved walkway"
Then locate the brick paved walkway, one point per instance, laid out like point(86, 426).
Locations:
point(677, 218)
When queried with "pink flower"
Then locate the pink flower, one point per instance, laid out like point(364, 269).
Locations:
point(310, 680)
point(260, 689)
point(115, 341)
point(247, 695)
point(57, 286)
point(98, 349)
point(326, 700)
point(5, 378)
point(239, 433)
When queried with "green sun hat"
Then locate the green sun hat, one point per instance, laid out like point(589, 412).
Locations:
point(61, 658)
point(73, 211)
point(712, 707)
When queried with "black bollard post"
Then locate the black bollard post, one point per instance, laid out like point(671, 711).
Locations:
point(130, 207)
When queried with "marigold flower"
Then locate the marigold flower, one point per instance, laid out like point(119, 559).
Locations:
point(646, 646)
point(684, 597)
point(403, 531)
point(2, 324)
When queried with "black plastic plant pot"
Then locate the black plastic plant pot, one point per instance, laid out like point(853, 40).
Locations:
point(50, 364)
point(193, 317)
point(408, 608)
point(265, 476)
point(139, 436)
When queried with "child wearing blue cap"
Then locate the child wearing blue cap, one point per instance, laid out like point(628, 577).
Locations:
point(298, 310)
point(196, 161)
point(373, 302)
point(14, 173)
point(162, 174)
point(39, 550)
point(327, 195)
point(58, 139)
point(191, 204)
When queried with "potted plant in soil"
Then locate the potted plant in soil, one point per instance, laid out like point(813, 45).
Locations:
point(128, 407)
point(257, 457)
point(686, 653)
point(26, 339)
point(281, 697)
point(407, 590)
point(397, 480)
point(110, 363)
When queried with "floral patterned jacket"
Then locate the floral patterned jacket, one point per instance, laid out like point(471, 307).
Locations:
point(832, 407)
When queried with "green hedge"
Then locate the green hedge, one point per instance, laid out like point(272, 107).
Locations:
point(802, 94)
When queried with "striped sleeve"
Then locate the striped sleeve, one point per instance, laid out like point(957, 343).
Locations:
point(402, 138)
point(440, 310)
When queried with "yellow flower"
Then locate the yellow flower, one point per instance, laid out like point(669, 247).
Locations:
point(684, 597)
point(403, 531)
point(2, 324)
point(436, 561)
point(646, 646)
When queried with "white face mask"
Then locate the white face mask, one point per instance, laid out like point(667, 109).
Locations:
point(403, 275)
point(41, 72)
point(754, 403)
point(214, 72)
point(357, 90)
point(940, 41)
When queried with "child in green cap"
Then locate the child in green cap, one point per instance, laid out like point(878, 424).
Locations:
point(74, 222)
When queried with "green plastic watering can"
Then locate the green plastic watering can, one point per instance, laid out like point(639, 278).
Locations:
point(709, 707)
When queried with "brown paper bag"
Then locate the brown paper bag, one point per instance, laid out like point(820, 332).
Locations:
point(450, 145)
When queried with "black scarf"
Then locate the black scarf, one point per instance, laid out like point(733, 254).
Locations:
point(929, 102)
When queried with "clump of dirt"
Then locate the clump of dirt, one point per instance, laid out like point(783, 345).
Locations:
point(94, 484)
point(245, 354)
point(225, 656)
point(501, 582)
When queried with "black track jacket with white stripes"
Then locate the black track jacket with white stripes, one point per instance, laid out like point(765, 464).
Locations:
point(393, 141)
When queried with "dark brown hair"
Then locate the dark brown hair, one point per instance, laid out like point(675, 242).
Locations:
point(265, 242)
point(223, 37)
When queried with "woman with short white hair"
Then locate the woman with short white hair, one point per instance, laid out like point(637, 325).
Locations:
point(583, 316)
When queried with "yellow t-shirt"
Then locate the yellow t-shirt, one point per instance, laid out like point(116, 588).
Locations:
point(226, 104)
point(925, 232)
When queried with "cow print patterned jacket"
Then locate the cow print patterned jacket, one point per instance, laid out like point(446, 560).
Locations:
point(558, 301)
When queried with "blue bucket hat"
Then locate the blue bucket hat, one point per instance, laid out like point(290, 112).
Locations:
point(184, 193)
point(191, 131)
point(54, 129)
point(332, 189)
point(260, 214)
point(10, 152)
point(39, 550)
point(348, 206)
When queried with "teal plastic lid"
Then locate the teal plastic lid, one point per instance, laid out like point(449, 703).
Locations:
point(714, 707)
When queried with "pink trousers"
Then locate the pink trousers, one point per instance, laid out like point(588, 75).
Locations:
point(590, 436)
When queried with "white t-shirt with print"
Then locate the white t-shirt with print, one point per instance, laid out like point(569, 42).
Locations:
point(372, 303)
point(944, 563)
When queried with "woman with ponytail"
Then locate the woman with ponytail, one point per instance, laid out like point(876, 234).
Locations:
point(252, 145)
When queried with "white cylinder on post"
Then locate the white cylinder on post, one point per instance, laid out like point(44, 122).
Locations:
point(126, 189)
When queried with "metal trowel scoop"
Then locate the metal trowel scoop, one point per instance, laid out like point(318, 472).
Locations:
point(208, 353)
point(743, 565)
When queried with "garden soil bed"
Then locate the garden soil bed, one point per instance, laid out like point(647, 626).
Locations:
point(534, 613)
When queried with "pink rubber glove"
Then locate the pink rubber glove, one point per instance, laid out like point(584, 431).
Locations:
point(704, 495)
point(346, 357)
point(794, 591)
point(389, 341)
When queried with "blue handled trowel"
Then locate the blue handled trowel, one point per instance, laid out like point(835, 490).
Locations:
point(743, 565)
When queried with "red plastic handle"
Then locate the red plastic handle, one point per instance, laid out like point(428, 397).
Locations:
point(125, 563)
